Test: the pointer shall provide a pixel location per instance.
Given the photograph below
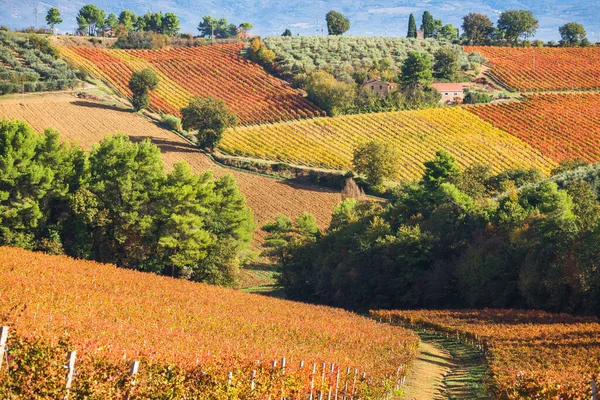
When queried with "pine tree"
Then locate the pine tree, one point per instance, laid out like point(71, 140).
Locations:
point(428, 24)
point(412, 27)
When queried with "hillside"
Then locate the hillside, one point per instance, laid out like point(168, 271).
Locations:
point(200, 332)
point(417, 135)
point(87, 122)
point(560, 126)
point(531, 69)
point(530, 352)
point(250, 93)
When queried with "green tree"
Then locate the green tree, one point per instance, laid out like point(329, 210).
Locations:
point(53, 17)
point(287, 33)
point(335, 97)
point(416, 69)
point(428, 25)
point(337, 24)
point(572, 33)
point(412, 27)
point(446, 61)
point(91, 19)
point(217, 28)
point(376, 161)
point(448, 32)
point(440, 170)
point(246, 27)
point(112, 22)
point(210, 118)
point(128, 19)
point(516, 24)
point(140, 84)
point(170, 24)
point(477, 28)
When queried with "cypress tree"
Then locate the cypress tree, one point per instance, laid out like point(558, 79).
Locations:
point(412, 27)
point(428, 24)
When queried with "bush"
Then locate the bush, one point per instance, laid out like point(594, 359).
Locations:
point(141, 40)
point(477, 98)
point(171, 122)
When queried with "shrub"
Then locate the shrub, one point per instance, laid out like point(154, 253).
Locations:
point(477, 98)
point(171, 122)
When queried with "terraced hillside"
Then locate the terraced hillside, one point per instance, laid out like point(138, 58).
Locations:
point(188, 337)
point(87, 122)
point(560, 126)
point(251, 93)
point(532, 69)
point(417, 135)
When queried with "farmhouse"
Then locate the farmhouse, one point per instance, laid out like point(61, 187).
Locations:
point(449, 91)
point(380, 87)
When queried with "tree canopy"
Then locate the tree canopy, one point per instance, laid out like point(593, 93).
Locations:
point(417, 69)
point(337, 24)
point(53, 17)
point(91, 19)
point(217, 28)
point(477, 28)
point(517, 24)
point(412, 27)
point(209, 117)
point(376, 161)
point(140, 84)
point(572, 33)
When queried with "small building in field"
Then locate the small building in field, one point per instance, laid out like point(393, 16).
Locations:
point(380, 87)
point(451, 92)
point(420, 34)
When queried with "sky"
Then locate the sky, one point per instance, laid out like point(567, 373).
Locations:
point(307, 17)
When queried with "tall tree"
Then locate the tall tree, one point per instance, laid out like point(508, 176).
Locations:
point(245, 27)
point(416, 69)
point(53, 18)
point(517, 24)
point(217, 28)
point(128, 19)
point(377, 161)
point(477, 28)
point(572, 33)
point(112, 23)
point(448, 32)
point(170, 24)
point(287, 33)
point(90, 18)
point(412, 27)
point(446, 62)
point(428, 25)
point(337, 24)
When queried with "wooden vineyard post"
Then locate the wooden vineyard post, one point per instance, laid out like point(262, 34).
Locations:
point(70, 367)
point(283, 378)
point(322, 381)
point(3, 339)
point(133, 370)
point(337, 383)
point(252, 381)
point(594, 391)
point(346, 383)
point(312, 381)
point(354, 384)
point(229, 379)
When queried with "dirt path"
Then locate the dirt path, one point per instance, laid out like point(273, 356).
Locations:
point(446, 369)
point(425, 381)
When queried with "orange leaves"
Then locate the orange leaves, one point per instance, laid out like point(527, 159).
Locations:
point(252, 94)
point(560, 126)
point(532, 354)
point(114, 312)
point(542, 69)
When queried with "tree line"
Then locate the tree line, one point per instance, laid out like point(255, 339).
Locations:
point(116, 204)
point(453, 239)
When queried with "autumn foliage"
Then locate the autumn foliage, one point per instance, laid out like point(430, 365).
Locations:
point(531, 69)
point(187, 336)
point(560, 126)
point(219, 71)
point(532, 354)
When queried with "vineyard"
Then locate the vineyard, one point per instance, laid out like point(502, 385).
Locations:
point(218, 71)
point(417, 135)
point(531, 353)
point(87, 122)
point(531, 69)
point(560, 126)
point(188, 337)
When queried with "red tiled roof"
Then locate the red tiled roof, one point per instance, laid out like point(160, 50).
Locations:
point(447, 87)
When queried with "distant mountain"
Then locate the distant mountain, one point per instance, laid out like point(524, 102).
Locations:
point(306, 17)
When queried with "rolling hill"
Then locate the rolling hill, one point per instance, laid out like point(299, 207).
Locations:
point(188, 337)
